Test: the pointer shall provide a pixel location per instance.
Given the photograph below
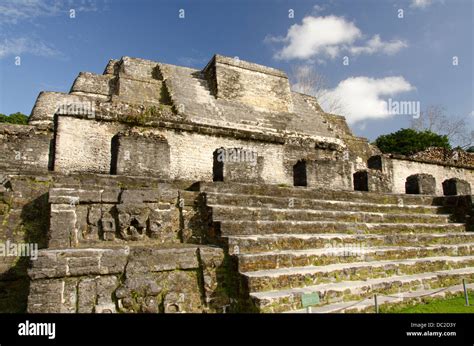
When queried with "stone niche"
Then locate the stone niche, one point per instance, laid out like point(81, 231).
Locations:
point(237, 165)
point(140, 154)
point(455, 186)
point(421, 184)
point(371, 180)
point(261, 87)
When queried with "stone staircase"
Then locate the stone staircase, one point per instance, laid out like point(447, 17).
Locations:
point(339, 246)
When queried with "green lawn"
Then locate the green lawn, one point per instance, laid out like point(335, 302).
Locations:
point(450, 305)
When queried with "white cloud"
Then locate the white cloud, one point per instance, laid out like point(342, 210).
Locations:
point(362, 97)
point(375, 45)
point(421, 3)
point(329, 36)
point(19, 46)
point(318, 35)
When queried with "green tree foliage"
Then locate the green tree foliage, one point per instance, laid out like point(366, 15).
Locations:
point(409, 141)
point(14, 118)
point(470, 149)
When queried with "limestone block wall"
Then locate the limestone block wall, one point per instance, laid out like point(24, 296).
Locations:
point(85, 146)
point(94, 215)
point(24, 214)
point(140, 154)
point(48, 103)
point(333, 174)
point(401, 169)
point(139, 91)
point(136, 68)
point(94, 85)
point(192, 156)
point(24, 148)
point(262, 87)
point(127, 279)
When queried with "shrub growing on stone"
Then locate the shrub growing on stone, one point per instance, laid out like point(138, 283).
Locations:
point(409, 141)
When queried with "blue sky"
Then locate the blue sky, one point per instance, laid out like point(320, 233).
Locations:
point(405, 59)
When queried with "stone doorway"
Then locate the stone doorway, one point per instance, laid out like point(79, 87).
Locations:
point(299, 174)
point(217, 166)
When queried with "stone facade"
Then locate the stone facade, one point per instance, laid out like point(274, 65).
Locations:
point(144, 188)
point(156, 280)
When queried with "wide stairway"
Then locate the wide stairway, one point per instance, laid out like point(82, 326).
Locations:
point(333, 250)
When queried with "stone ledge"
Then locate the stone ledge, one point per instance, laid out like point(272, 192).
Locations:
point(77, 262)
point(431, 162)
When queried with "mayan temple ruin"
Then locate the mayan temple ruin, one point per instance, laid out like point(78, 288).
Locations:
point(155, 188)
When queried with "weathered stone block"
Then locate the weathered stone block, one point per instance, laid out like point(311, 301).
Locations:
point(139, 91)
point(133, 196)
point(111, 195)
point(86, 295)
point(62, 230)
point(258, 86)
point(371, 180)
point(455, 186)
point(423, 184)
point(114, 261)
point(212, 262)
point(84, 265)
point(239, 165)
point(106, 286)
point(45, 296)
point(108, 228)
point(154, 260)
point(92, 84)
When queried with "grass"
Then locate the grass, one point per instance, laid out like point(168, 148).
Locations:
point(437, 306)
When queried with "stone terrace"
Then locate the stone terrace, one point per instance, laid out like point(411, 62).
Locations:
point(342, 246)
point(159, 188)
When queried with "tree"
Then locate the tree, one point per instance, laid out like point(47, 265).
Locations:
point(307, 81)
point(470, 149)
point(434, 119)
point(14, 118)
point(409, 141)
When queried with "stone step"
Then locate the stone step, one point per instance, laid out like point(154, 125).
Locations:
point(311, 227)
point(387, 301)
point(345, 254)
point(285, 278)
point(268, 242)
point(316, 204)
point(234, 213)
point(319, 193)
point(291, 299)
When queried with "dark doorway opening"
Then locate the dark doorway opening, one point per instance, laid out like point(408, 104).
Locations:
point(299, 174)
point(361, 181)
point(218, 165)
